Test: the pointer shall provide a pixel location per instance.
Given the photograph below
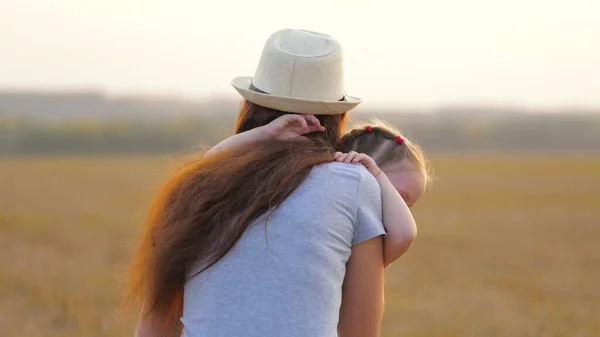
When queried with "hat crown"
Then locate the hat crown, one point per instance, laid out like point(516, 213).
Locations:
point(304, 43)
point(301, 64)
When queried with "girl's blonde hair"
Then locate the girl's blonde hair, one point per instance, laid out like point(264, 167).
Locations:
point(378, 139)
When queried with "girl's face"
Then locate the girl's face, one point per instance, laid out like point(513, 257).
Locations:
point(408, 179)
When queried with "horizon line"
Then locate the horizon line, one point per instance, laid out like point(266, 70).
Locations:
point(233, 98)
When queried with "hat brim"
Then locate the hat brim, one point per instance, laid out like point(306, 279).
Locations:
point(291, 104)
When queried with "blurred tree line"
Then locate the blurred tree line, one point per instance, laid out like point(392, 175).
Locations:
point(85, 123)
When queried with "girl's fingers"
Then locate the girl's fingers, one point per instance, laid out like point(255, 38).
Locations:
point(319, 128)
point(312, 119)
point(309, 120)
point(359, 158)
point(299, 119)
point(353, 157)
point(350, 157)
point(313, 123)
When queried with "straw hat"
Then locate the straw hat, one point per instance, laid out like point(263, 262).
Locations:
point(300, 72)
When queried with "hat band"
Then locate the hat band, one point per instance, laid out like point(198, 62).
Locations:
point(253, 88)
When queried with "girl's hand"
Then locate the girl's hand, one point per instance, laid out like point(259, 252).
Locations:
point(292, 126)
point(282, 128)
point(355, 157)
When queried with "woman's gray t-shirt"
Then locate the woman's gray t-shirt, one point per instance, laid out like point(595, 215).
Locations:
point(285, 278)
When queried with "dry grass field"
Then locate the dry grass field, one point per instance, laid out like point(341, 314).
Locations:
point(509, 245)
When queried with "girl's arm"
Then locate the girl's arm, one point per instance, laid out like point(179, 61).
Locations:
point(251, 136)
point(362, 292)
point(284, 127)
point(398, 220)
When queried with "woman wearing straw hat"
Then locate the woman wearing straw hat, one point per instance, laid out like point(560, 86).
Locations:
point(268, 238)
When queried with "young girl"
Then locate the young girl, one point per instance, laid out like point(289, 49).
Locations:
point(399, 166)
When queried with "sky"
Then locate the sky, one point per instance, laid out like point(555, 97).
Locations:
point(427, 53)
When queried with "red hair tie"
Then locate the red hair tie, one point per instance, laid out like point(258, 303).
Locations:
point(368, 129)
point(399, 140)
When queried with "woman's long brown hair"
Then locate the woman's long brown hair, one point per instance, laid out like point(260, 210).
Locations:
point(203, 209)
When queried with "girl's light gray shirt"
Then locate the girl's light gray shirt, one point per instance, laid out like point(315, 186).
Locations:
point(285, 279)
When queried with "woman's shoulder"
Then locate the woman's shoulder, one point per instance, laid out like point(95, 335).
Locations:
point(344, 173)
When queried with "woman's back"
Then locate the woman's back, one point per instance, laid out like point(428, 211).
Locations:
point(285, 279)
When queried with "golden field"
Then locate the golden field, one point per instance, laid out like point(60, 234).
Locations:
point(509, 245)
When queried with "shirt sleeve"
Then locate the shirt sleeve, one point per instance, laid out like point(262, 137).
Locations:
point(369, 214)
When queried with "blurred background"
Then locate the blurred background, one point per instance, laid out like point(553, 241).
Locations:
point(99, 100)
